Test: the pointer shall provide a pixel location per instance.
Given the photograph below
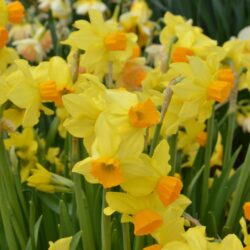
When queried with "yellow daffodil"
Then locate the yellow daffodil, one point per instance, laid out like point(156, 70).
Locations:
point(193, 239)
point(46, 181)
point(7, 57)
point(52, 158)
point(32, 86)
point(145, 212)
point(103, 42)
point(128, 115)
point(243, 225)
point(199, 90)
point(237, 51)
point(132, 74)
point(61, 244)
point(190, 136)
point(138, 19)
point(167, 188)
point(173, 226)
point(191, 41)
point(26, 148)
point(84, 108)
point(113, 162)
point(154, 85)
point(190, 139)
point(231, 241)
point(12, 12)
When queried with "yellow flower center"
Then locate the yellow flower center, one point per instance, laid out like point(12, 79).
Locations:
point(15, 12)
point(219, 91)
point(146, 222)
point(180, 54)
point(246, 208)
point(108, 171)
point(226, 75)
point(3, 37)
point(168, 188)
point(116, 41)
point(51, 93)
point(202, 138)
point(144, 115)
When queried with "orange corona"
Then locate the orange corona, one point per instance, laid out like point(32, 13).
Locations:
point(168, 188)
point(144, 115)
point(146, 222)
point(3, 37)
point(108, 171)
point(180, 54)
point(219, 91)
point(15, 12)
point(116, 41)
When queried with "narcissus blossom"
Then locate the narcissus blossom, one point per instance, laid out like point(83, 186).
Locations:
point(33, 86)
point(103, 43)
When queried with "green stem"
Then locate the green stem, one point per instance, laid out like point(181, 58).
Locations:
point(173, 40)
point(173, 152)
point(206, 172)
point(168, 93)
point(31, 225)
point(126, 236)
point(83, 214)
point(50, 138)
point(139, 242)
point(155, 138)
point(106, 225)
point(53, 33)
point(82, 204)
point(5, 214)
point(232, 117)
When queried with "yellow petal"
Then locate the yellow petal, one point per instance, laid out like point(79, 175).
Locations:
point(161, 158)
point(84, 167)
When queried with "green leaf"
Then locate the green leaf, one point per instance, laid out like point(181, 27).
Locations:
point(221, 180)
point(235, 210)
point(194, 181)
point(51, 200)
point(66, 228)
point(75, 241)
point(36, 233)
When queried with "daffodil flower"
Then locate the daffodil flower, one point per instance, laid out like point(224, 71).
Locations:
point(113, 161)
point(103, 43)
point(33, 86)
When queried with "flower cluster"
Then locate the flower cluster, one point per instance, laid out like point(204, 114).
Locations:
point(143, 122)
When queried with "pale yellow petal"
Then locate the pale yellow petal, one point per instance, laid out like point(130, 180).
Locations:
point(84, 168)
